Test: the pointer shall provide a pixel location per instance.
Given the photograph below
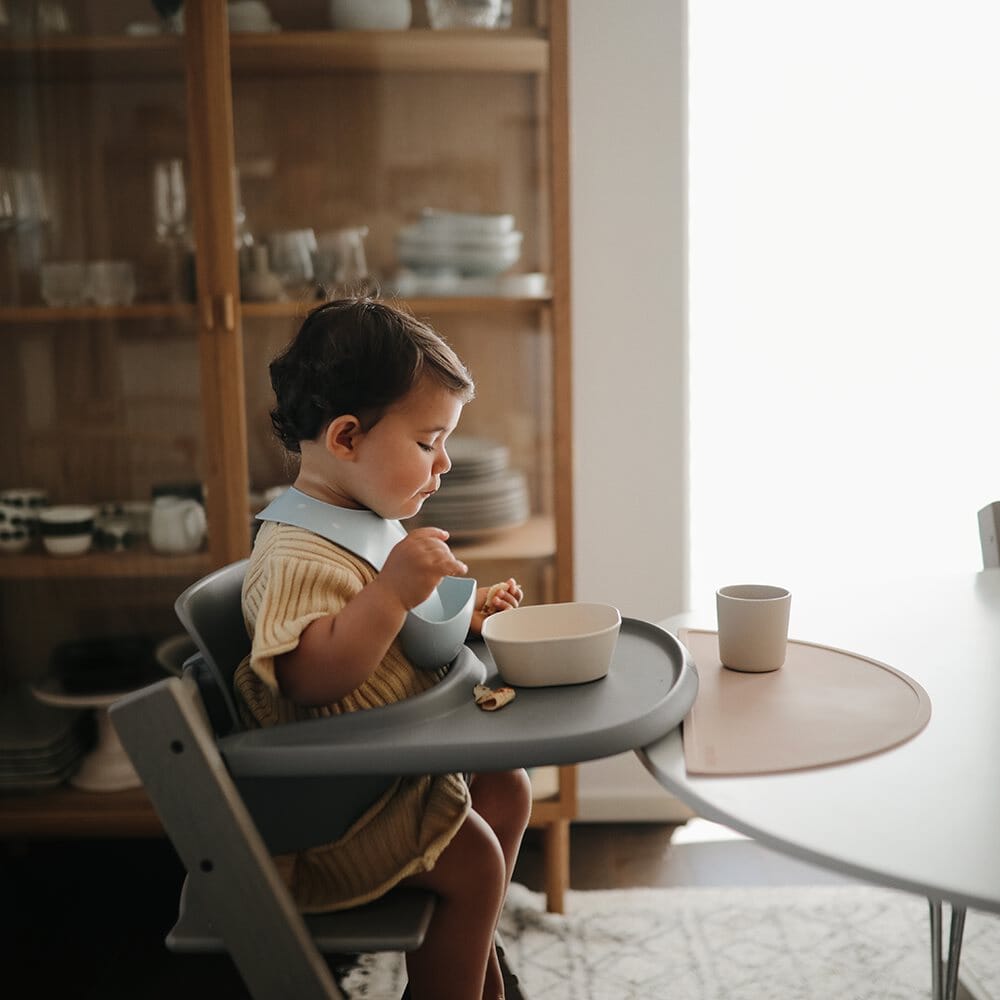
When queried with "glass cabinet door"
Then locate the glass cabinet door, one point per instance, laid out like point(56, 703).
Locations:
point(414, 161)
point(178, 186)
point(115, 471)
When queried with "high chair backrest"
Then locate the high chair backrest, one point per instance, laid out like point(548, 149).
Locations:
point(211, 611)
point(291, 813)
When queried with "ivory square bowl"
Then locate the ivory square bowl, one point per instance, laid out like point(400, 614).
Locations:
point(552, 644)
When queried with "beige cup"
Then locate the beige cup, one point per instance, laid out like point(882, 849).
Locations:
point(753, 626)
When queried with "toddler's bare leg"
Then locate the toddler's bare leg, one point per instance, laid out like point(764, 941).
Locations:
point(503, 799)
point(470, 879)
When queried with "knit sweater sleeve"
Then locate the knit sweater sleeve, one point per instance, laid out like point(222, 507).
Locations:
point(289, 593)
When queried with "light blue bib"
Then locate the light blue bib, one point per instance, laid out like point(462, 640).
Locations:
point(434, 631)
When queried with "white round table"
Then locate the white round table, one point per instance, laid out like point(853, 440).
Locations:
point(923, 816)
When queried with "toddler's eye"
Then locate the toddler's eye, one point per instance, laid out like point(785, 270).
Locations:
point(426, 447)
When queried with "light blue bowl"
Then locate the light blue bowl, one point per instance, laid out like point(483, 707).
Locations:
point(436, 630)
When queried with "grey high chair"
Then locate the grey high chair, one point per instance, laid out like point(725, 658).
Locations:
point(231, 798)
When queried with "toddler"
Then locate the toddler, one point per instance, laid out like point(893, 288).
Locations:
point(367, 397)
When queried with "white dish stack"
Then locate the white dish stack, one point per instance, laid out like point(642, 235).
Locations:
point(480, 495)
point(466, 242)
point(40, 747)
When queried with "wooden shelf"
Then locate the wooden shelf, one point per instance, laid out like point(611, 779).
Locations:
point(99, 56)
point(10, 315)
point(287, 52)
point(292, 309)
point(536, 539)
point(122, 565)
point(436, 304)
point(418, 50)
point(69, 812)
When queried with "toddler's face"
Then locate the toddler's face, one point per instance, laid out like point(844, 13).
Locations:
point(400, 461)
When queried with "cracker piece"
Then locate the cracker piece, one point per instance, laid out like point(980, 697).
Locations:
point(493, 699)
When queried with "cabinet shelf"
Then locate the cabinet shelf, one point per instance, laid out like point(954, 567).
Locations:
point(417, 50)
point(110, 57)
point(423, 303)
point(10, 315)
point(124, 565)
point(536, 539)
point(85, 814)
point(287, 52)
point(183, 311)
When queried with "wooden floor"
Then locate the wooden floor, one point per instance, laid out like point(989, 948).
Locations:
point(623, 855)
point(86, 919)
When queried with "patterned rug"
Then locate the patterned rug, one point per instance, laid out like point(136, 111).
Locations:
point(802, 943)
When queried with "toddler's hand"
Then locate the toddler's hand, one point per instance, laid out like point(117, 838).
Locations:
point(489, 600)
point(417, 564)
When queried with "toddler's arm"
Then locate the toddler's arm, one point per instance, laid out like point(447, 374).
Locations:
point(337, 653)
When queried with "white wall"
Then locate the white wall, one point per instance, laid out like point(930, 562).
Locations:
point(627, 121)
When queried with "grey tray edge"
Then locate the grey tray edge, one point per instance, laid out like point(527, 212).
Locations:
point(466, 738)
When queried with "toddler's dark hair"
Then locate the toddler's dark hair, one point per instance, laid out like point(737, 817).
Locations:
point(357, 355)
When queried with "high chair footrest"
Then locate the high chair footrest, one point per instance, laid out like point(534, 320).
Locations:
point(396, 922)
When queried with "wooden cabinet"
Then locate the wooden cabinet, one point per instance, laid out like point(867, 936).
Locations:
point(306, 127)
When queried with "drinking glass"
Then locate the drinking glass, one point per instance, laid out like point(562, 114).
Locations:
point(464, 13)
point(169, 199)
point(64, 283)
point(291, 253)
point(111, 282)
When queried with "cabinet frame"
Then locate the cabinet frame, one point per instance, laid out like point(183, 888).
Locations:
point(208, 59)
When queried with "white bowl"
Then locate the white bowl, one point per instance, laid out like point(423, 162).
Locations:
point(464, 259)
point(67, 530)
point(549, 644)
point(466, 224)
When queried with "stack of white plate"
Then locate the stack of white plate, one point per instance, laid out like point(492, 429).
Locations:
point(40, 746)
point(480, 495)
point(463, 243)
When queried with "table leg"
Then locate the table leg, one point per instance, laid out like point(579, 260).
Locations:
point(937, 967)
point(944, 973)
point(954, 951)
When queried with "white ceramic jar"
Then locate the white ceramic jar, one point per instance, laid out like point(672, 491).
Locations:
point(177, 525)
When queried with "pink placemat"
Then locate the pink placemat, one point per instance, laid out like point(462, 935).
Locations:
point(824, 706)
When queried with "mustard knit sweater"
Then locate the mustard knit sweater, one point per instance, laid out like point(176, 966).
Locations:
point(295, 577)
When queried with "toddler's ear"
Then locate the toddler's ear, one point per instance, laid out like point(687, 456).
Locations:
point(341, 436)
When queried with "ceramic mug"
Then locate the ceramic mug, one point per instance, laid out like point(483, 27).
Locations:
point(177, 525)
point(15, 529)
point(753, 626)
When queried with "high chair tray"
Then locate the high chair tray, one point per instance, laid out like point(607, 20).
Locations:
point(649, 689)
